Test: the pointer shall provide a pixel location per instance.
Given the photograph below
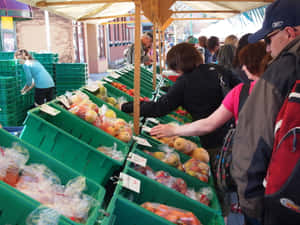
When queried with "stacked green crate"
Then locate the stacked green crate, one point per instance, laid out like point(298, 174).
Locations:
point(14, 105)
point(70, 76)
point(6, 55)
point(8, 106)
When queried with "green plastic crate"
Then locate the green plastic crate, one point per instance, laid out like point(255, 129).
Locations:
point(183, 157)
point(116, 93)
point(24, 204)
point(192, 182)
point(99, 102)
point(206, 215)
point(71, 140)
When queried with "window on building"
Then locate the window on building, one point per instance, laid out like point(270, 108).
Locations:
point(79, 45)
point(8, 37)
point(101, 41)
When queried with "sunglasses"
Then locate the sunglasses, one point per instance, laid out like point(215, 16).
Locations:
point(267, 39)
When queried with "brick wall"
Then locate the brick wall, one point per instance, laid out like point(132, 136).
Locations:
point(31, 35)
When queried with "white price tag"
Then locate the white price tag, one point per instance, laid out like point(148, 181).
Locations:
point(130, 183)
point(114, 75)
point(146, 129)
point(142, 141)
point(153, 120)
point(139, 160)
point(64, 101)
point(49, 110)
point(91, 87)
point(107, 79)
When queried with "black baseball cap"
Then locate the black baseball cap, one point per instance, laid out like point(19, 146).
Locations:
point(279, 14)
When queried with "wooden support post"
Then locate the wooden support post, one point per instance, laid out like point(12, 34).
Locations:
point(159, 40)
point(164, 50)
point(137, 67)
point(154, 56)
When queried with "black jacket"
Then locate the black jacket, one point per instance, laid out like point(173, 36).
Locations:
point(199, 93)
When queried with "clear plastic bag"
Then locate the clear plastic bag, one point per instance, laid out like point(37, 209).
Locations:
point(12, 160)
point(43, 216)
point(197, 168)
point(167, 155)
point(184, 145)
point(174, 215)
point(112, 152)
point(204, 195)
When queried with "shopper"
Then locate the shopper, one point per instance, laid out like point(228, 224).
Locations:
point(250, 57)
point(197, 90)
point(236, 64)
point(146, 41)
point(36, 76)
point(202, 45)
point(231, 40)
point(253, 144)
point(213, 45)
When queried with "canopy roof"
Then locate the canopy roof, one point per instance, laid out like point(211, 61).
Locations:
point(158, 11)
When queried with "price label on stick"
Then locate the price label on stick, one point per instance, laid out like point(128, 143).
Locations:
point(107, 79)
point(130, 183)
point(114, 75)
point(64, 101)
point(49, 110)
point(139, 160)
point(153, 120)
point(142, 141)
point(146, 129)
point(91, 87)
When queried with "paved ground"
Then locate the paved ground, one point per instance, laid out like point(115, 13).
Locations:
point(97, 76)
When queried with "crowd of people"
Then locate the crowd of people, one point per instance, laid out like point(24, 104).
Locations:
point(265, 66)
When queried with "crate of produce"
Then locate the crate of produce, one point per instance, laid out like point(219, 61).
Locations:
point(133, 200)
point(97, 114)
point(16, 206)
point(70, 140)
point(100, 102)
point(176, 159)
point(157, 165)
point(116, 93)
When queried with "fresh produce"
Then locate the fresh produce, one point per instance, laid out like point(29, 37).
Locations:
point(103, 118)
point(41, 184)
point(174, 215)
point(185, 146)
point(169, 157)
point(130, 92)
point(112, 152)
point(197, 168)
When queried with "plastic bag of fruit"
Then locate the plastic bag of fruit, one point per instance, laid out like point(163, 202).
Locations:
point(166, 155)
point(197, 168)
point(116, 127)
point(112, 152)
point(184, 145)
point(40, 183)
point(204, 195)
point(174, 215)
point(12, 160)
point(71, 202)
point(43, 216)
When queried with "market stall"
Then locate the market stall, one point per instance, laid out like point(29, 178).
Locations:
point(82, 146)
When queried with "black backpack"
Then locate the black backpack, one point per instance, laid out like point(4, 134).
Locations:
point(222, 164)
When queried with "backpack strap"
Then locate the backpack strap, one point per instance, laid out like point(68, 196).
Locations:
point(243, 95)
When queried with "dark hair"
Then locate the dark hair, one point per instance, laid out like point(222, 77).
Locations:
point(252, 56)
point(23, 54)
point(242, 43)
point(225, 55)
point(203, 41)
point(149, 34)
point(184, 57)
point(212, 42)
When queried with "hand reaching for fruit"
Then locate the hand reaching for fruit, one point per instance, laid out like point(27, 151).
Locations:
point(164, 130)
